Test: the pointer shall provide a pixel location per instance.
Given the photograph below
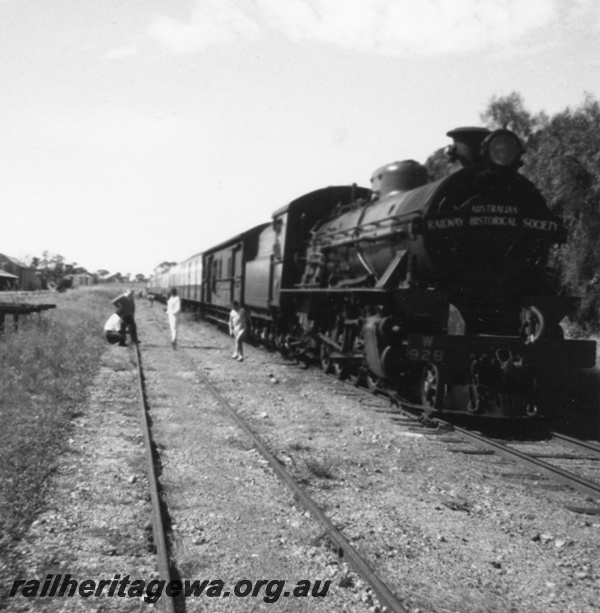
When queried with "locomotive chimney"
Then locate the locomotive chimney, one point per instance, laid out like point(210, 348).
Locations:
point(467, 144)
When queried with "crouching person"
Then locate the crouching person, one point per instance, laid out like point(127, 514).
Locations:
point(114, 330)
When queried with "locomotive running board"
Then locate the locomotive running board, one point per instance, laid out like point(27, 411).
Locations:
point(335, 290)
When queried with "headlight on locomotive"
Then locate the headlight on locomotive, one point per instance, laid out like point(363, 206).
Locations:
point(502, 150)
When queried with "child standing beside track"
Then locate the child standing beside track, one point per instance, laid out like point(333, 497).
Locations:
point(173, 310)
point(238, 326)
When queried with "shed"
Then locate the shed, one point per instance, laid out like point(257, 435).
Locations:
point(7, 280)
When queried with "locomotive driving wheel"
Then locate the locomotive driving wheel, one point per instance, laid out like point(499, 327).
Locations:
point(356, 371)
point(328, 364)
point(281, 345)
point(431, 386)
point(373, 381)
point(355, 374)
point(340, 367)
point(340, 370)
point(325, 357)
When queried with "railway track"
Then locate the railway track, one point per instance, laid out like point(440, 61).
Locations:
point(388, 601)
point(588, 451)
point(579, 445)
point(533, 459)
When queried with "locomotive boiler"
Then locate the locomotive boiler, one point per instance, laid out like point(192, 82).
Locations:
point(440, 290)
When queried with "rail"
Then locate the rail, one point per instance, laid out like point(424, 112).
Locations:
point(558, 474)
point(158, 523)
point(577, 444)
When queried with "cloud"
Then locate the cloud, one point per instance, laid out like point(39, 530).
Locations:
point(583, 13)
point(401, 27)
point(212, 22)
point(390, 27)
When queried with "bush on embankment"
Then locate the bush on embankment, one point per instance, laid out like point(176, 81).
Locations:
point(47, 366)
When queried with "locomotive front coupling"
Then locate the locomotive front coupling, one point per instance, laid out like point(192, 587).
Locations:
point(502, 383)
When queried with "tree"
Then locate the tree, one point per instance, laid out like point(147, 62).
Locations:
point(54, 271)
point(164, 266)
point(509, 112)
point(51, 268)
point(439, 165)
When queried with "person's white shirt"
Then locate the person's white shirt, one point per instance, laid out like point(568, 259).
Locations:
point(173, 305)
point(113, 324)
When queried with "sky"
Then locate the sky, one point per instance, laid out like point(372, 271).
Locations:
point(134, 132)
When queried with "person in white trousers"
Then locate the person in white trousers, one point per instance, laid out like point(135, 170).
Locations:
point(238, 327)
point(173, 310)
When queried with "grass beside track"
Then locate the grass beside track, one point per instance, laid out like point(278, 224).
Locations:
point(46, 368)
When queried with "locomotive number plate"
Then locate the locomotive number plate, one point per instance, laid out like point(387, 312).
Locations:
point(426, 355)
point(423, 349)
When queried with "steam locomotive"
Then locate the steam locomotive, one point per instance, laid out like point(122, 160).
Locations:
point(437, 290)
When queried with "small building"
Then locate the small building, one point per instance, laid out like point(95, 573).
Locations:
point(25, 279)
point(83, 279)
point(8, 281)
